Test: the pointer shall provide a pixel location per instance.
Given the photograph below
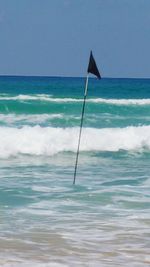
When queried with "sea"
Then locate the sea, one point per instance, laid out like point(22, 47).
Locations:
point(104, 219)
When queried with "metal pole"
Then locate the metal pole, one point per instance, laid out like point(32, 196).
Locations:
point(81, 124)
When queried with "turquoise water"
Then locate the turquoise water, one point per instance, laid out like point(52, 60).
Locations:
point(104, 219)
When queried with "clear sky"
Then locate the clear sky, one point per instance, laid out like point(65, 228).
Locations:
point(54, 37)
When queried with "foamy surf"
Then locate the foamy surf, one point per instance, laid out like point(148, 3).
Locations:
point(28, 118)
point(50, 98)
point(21, 263)
point(49, 140)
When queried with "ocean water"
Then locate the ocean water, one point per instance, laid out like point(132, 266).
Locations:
point(103, 220)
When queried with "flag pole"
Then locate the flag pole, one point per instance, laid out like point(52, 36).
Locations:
point(81, 124)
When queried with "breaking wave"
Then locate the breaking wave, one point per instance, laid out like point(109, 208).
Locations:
point(29, 118)
point(49, 141)
point(49, 98)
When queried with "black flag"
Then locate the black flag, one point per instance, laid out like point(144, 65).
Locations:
point(92, 68)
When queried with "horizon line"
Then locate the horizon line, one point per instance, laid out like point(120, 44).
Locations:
point(60, 76)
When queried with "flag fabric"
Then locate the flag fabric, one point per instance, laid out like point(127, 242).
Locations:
point(92, 67)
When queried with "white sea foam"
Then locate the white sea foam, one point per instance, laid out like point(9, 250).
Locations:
point(49, 141)
point(25, 97)
point(21, 263)
point(49, 98)
point(121, 101)
point(34, 118)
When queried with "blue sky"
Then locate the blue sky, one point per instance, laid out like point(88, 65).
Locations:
point(54, 37)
